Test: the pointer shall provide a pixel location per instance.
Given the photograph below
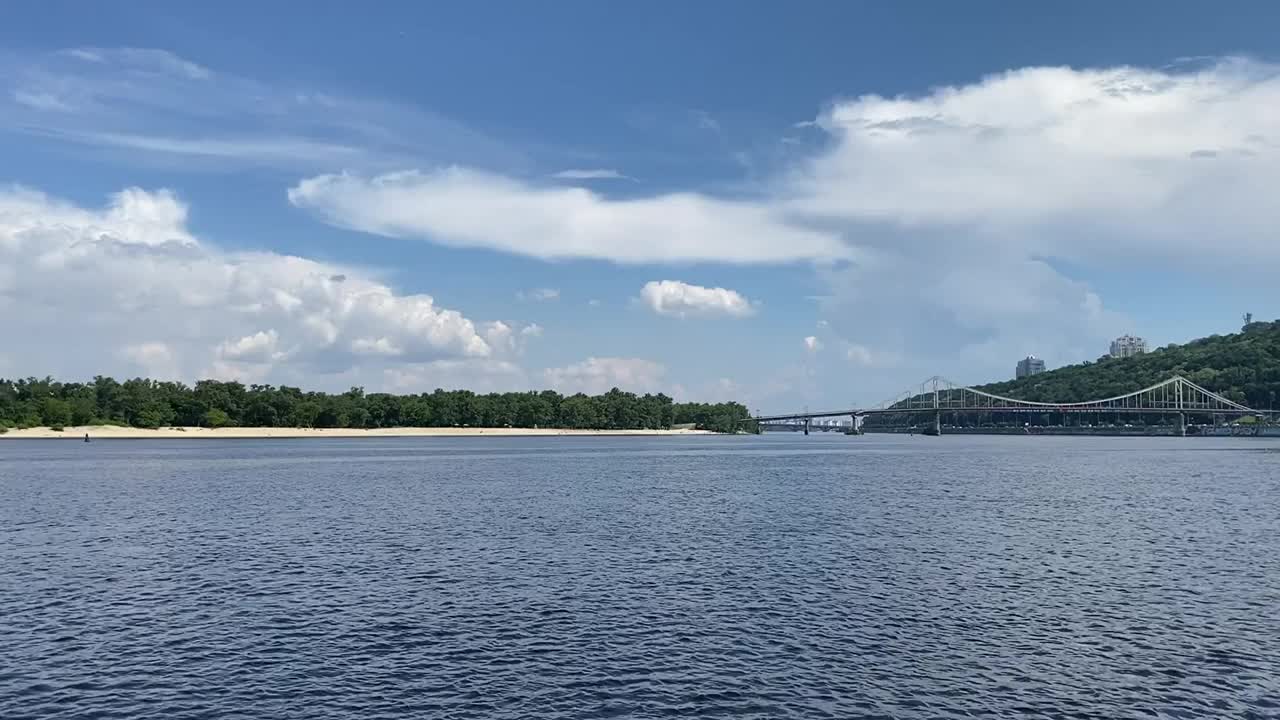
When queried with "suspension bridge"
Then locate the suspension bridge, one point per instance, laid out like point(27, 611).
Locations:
point(1176, 396)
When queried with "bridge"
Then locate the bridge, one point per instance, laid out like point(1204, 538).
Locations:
point(935, 396)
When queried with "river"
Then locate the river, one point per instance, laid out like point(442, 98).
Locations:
point(746, 577)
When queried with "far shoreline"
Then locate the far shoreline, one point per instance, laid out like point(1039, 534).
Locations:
point(114, 432)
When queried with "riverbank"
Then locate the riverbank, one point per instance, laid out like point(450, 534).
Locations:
point(188, 433)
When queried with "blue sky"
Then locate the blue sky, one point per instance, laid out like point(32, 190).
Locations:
point(785, 205)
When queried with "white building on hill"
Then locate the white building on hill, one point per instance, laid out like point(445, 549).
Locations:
point(1128, 346)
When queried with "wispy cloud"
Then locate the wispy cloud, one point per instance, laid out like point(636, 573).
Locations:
point(40, 100)
point(600, 174)
point(158, 105)
point(253, 150)
point(148, 59)
point(538, 295)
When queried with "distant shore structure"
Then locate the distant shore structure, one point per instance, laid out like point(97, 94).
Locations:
point(1028, 366)
point(1128, 346)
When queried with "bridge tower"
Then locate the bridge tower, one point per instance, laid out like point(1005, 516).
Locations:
point(1182, 416)
point(937, 412)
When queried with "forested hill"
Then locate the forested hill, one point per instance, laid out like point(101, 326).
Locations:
point(1244, 367)
point(147, 403)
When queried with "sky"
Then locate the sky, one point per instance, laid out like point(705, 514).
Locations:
point(788, 205)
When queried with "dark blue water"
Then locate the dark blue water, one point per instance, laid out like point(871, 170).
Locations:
point(554, 578)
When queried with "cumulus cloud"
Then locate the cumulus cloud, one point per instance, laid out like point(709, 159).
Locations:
point(508, 340)
point(600, 374)
point(1085, 164)
point(461, 207)
point(681, 299)
point(114, 278)
point(260, 346)
point(812, 344)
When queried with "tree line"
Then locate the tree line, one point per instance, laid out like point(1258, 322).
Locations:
point(145, 403)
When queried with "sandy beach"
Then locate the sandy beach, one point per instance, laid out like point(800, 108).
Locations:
point(188, 433)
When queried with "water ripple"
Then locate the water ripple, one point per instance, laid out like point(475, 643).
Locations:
point(555, 578)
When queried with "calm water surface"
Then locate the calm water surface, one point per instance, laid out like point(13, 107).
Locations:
point(555, 578)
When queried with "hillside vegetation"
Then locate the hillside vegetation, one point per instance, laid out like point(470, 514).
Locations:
point(1244, 367)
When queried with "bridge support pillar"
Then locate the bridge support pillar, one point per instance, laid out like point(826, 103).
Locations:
point(937, 422)
point(1182, 424)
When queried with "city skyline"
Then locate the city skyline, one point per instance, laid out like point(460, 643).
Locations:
point(541, 198)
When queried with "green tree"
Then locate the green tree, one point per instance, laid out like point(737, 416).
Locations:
point(216, 418)
point(55, 412)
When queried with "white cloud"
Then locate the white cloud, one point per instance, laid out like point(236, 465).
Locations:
point(597, 375)
point(258, 347)
point(680, 299)
point(1084, 164)
point(594, 174)
point(468, 208)
point(812, 344)
point(507, 340)
point(538, 295)
point(116, 277)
